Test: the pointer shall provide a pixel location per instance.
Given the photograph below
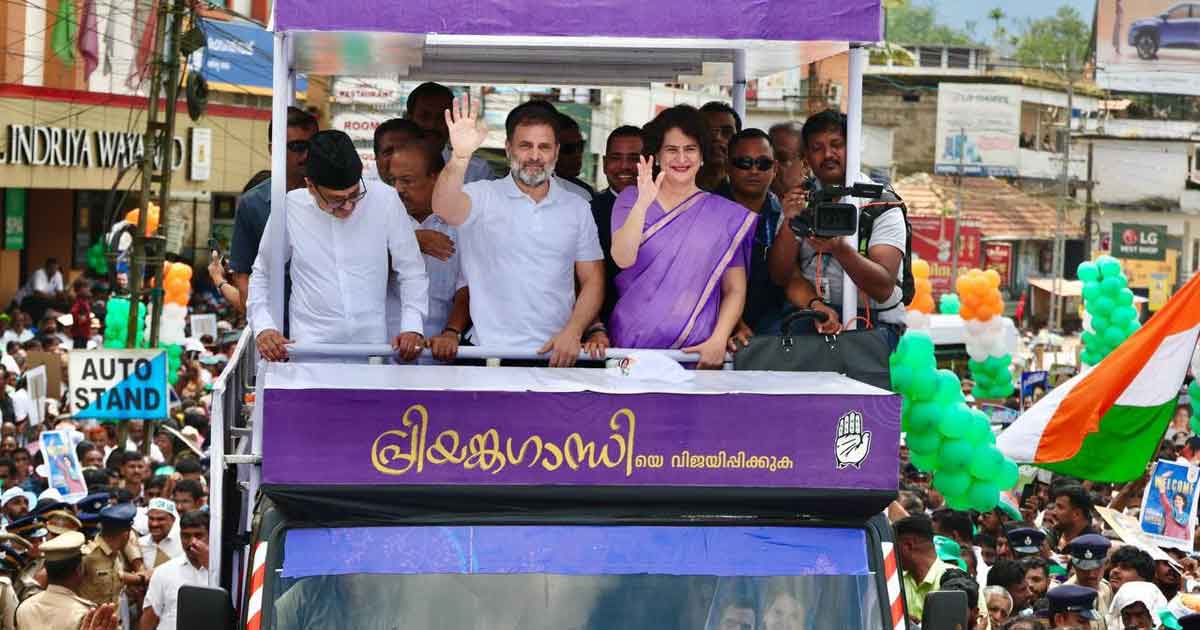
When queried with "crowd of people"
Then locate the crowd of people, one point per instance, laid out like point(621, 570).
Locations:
point(687, 248)
point(1045, 557)
point(116, 557)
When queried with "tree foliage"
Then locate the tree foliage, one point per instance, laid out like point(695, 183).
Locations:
point(917, 24)
point(1050, 40)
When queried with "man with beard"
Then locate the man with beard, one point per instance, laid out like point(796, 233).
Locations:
point(15, 504)
point(526, 242)
point(621, 155)
point(812, 269)
point(339, 234)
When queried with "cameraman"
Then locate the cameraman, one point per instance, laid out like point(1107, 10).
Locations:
point(820, 261)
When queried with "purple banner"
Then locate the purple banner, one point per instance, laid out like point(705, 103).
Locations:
point(787, 20)
point(583, 438)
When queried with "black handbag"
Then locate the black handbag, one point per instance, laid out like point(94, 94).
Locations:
point(860, 354)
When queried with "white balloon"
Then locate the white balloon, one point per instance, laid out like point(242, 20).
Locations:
point(977, 352)
point(975, 328)
point(916, 320)
point(174, 311)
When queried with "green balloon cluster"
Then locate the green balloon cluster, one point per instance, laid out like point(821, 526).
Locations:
point(992, 378)
point(96, 260)
point(945, 437)
point(1194, 398)
point(174, 360)
point(948, 304)
point(1108, 300)
point(116, 323)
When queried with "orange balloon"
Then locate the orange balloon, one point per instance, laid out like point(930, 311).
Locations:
point(151, 219)
point(920, 269)
point(965, 311)
point(993, 278)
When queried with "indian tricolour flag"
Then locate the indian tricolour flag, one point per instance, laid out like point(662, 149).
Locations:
point(1106, 423)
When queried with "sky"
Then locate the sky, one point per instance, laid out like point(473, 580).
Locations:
point(958, 12)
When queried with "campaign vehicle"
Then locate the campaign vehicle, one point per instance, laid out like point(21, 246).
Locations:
point(353, 494)
point(1177, 27)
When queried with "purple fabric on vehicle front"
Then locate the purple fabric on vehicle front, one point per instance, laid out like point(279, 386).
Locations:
point(671, 296)
point(576, 550)
point(782, 20)
point(399, 437)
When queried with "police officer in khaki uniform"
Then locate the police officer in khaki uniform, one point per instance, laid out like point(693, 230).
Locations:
point(32, 531)
point(21, 547)
point(59, 607)
point(11, 562)
point(113, 560)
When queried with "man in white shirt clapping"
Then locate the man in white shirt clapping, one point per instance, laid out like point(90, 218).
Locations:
point(338, 236)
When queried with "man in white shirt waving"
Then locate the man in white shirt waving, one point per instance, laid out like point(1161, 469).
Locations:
point(191, 569)
point(338, 235)
point(525, 241)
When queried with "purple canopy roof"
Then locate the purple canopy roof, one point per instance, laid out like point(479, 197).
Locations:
point(786, 20)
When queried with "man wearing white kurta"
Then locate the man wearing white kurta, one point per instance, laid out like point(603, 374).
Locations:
point(339, 232)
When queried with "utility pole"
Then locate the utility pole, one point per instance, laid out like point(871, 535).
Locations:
point(1056, 303)
point(158, 143)
point(1087, 211)
point(962, 151)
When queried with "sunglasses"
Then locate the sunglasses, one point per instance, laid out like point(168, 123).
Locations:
point(744, 163)
point(298, 146)
point(347, 202)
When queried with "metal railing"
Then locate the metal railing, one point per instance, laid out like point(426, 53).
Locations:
point(495, 355)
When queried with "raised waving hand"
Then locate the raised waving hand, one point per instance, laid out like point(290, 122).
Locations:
point(647, 185)
point(466, 126)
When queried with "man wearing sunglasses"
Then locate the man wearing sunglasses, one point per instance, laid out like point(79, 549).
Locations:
point(339, 233)
point(254, 206)
point(752, 170)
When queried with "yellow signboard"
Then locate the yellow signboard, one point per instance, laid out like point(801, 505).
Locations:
point(1144, 274)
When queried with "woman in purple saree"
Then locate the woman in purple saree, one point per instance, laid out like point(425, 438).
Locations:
point(684, 253)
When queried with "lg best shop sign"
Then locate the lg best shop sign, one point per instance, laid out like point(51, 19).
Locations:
point(118, 384)
point(1139, 242)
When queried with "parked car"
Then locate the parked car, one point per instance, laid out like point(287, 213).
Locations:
point(1178, 27)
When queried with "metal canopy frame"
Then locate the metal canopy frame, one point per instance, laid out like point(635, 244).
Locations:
point(467, 55)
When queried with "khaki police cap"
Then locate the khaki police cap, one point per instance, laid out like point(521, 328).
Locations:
point(61, 522)
point(15, 541)
point(64, 547)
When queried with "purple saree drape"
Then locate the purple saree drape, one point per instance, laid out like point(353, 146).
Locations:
point(671, 296)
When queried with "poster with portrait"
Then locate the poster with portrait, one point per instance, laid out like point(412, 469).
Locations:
point(63, 471)
point(1168, 514)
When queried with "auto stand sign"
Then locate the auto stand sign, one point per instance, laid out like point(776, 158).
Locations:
point(118, 384)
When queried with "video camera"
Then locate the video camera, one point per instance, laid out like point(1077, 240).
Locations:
point(825, 217)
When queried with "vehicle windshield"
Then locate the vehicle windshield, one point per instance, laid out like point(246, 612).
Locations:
point(576, 577)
